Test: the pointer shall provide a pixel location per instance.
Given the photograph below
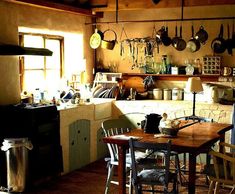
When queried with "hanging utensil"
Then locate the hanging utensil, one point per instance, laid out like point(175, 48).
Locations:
point(181, 44)
point(201, 35)
point(233, 36)
point(219, 44)
point(174, 40)
point(193, 44)
point(229, 42)
point(166, 40)
point(109, 44)
point(122, 42)
point(96, 38)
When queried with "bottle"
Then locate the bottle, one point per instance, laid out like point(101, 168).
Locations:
point(198, 65)
point(37, 96)
point(168, 65)
point(189, 68)
point(163, 69)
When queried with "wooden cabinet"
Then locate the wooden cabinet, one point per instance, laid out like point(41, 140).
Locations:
point(40, 124)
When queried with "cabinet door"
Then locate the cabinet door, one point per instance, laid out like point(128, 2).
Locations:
point(79, 144)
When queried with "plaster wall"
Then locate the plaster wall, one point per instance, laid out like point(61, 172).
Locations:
point(14, 16)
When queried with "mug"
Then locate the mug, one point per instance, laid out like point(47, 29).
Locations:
point(226, 71)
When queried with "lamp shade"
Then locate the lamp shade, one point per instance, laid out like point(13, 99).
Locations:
point(194, 84)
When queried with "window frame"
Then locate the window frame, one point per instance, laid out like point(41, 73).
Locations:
point(44, 36)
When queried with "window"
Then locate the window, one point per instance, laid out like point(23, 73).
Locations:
point(39, 71)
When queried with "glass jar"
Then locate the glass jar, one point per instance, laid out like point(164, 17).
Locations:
point(157, 94)
point(177, 94)
point(167, 94)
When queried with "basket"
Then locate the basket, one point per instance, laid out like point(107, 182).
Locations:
point(169, 131)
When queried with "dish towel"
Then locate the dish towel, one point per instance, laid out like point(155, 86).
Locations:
point(233, 129)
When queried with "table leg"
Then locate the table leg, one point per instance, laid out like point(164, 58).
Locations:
point(192, 173)
point(222, 139)
point(122, 169)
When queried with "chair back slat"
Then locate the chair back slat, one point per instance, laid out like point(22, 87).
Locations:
point(224, 165)
point(115, 127)
point(164, 148)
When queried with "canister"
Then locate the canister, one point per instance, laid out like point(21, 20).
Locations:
point(167, 94)
point(157, 94)
point(177, 94)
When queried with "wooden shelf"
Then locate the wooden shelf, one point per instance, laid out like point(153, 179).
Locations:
point(169, 77)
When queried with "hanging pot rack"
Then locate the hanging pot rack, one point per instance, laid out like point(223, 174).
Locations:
point(159, 20)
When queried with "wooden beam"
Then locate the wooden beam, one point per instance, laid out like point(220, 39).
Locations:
point(148, 4)
point(55, 6)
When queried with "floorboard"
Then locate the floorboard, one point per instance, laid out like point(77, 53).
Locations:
point(91, 180)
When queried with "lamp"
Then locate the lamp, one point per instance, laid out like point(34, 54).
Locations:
point(194, 85)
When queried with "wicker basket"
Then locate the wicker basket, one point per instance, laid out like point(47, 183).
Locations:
point(169, 131)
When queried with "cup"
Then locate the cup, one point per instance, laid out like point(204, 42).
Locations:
point(226, 71)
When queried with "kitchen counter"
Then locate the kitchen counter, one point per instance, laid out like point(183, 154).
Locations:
point(93, 101)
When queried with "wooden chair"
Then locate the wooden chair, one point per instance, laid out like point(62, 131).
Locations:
point(116, 127)
point(145, 177)
point(224, 169)
point(135, 119)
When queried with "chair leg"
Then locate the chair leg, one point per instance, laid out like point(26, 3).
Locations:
point(178, 168)
point(211, 187)
point(130, 183)
point(109, 178)
point(232, 191)
point(217, 185)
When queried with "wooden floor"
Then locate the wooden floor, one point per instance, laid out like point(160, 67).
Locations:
point(91, 180)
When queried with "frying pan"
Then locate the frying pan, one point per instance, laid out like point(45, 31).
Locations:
point(174, 40)
point(219, 44)
point(181, 44)
point(229, 42)
point(166, 40)
point(193, 44)
point(233, 37)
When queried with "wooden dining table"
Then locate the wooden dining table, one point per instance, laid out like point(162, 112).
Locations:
point(193, 139)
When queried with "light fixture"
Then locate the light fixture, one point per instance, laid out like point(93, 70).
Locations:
point(194, 85)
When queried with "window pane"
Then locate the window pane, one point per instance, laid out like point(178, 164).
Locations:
point(33, 41)
point(53, 62)
point(33, 79)
point(34, 62)
point(52, 79)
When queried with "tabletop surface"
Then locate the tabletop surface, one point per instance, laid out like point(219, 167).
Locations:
point(190, 138)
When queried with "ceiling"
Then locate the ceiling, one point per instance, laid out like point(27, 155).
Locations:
point(94, 7)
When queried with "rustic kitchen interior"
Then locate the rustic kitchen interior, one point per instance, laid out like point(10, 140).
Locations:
point(110, 58)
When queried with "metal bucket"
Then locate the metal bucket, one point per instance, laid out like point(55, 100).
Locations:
point(17, 162)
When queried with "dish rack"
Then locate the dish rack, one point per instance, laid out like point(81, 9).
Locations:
point(107, 79)
point(211, 65)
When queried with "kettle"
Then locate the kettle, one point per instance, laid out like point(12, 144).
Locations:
point(151, 123)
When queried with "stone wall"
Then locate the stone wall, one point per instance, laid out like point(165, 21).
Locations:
point(174, 109)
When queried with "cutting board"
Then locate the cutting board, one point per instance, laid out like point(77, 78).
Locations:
point(136, 83)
